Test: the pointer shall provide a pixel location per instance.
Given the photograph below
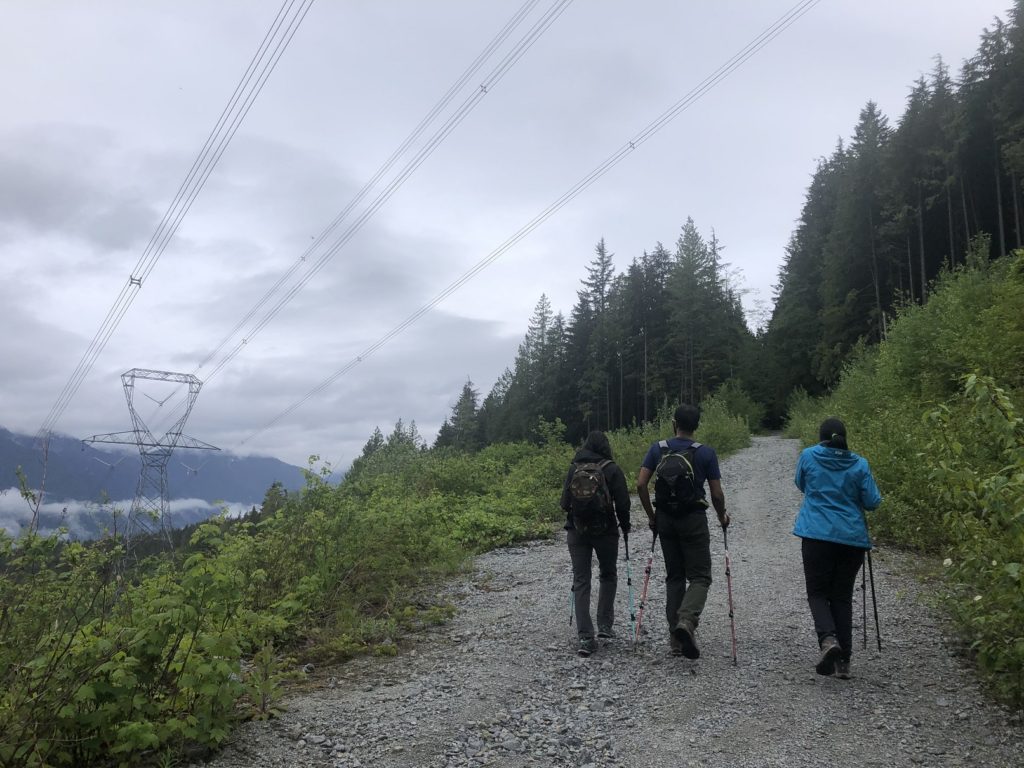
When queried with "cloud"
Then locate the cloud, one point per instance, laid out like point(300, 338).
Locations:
point(87, 519)
point(72, 180)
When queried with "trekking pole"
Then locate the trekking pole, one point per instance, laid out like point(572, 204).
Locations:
point(874, 601)
point(728, 581)
point(864, 603)
point(629, 586)
point(643, 595)
point(572, 605)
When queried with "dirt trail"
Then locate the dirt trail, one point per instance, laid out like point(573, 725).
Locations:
point(501, 686)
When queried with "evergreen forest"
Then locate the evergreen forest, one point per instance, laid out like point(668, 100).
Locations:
point(899, 308)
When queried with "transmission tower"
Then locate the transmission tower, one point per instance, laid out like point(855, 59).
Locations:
point(152, 504)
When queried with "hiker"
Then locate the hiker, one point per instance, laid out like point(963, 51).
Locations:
point(837, 487)
point(679, 518)
point(595, 499)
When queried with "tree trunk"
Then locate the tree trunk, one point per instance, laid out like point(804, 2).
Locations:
point(963, 203)
point(910, 269)
point(1016, 208)
point(999, 209)
point(920, 242)
point(607, 399)
point(645, 375)
point(620, 390)
point(691, 399)
point(874, 275)
point(949, 222)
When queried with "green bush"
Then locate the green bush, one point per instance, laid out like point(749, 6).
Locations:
point(739, 403)
point(104, 660)
point(979, 472)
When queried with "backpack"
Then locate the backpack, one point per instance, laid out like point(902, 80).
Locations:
point(590, 500)
point(675, 487)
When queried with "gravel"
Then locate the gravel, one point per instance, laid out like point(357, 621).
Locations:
point(500, 685)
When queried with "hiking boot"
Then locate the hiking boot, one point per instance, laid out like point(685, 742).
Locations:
point(684, 633)
point(605, 633)
point(843, 669)
point(675, 647)
point(587, 646)
point(830, 653)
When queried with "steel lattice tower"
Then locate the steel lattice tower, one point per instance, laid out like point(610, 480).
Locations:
point(152, 503)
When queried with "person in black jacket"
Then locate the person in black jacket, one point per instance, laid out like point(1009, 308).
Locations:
point(588, 535)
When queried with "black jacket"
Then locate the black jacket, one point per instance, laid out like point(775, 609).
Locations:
point(616, 486)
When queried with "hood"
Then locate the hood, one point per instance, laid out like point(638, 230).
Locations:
point(584, 455)
point(833, 459)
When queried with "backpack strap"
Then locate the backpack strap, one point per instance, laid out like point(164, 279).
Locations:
point(663, 444)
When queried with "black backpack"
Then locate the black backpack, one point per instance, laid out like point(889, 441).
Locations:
point(675, 486)
point(590, 500)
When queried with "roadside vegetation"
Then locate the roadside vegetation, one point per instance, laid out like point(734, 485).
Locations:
point(105, 659)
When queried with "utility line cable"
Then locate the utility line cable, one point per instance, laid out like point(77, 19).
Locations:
point(456, 87)
point(421, 156)
point(737, 60)
point(288, 19)
point(518, 50)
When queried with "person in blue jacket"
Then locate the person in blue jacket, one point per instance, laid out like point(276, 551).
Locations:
point(837, 487)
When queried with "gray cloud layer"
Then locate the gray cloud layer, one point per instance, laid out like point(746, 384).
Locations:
point(100, 128)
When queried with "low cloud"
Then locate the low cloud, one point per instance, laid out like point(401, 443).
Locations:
point(84, 519)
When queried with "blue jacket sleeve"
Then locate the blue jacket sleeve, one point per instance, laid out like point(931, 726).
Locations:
point(870, 496)
point(799, 479)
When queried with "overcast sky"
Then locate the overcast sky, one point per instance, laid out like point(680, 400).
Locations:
point(104, 106)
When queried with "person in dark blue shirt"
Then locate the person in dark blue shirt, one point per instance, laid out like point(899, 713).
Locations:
point(680, 520)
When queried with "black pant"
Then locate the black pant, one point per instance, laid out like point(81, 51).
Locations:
point(582, 549)
point(830, 571)
point(686, 545)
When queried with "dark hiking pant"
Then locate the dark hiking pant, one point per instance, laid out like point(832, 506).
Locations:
point(581, 550)
point(686, 544)
point(830, 570)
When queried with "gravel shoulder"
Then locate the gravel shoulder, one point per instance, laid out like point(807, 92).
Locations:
point(500, 684)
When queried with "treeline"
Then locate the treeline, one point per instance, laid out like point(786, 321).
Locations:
point(885, 212)
point(883, 215)
point(670, 328)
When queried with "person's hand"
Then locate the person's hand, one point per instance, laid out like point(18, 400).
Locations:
point(724, 520)
point(653, 525)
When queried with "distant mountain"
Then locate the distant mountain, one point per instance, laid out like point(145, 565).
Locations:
point(82, 474)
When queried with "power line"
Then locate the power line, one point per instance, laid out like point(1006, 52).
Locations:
point(456, 87)
point(261, 66)
point(518, 50)
point(645, 134)
point(396, 183)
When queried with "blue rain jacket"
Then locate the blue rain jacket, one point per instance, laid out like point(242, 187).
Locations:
point(837, 487)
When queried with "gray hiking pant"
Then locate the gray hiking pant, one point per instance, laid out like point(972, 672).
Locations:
point(686, 544)
point(581, 551)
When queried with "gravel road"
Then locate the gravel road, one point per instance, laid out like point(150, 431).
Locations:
point(500, 685)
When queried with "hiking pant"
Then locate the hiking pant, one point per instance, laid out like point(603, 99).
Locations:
point(830, 571)
point(581, 551)
point(686, 544)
